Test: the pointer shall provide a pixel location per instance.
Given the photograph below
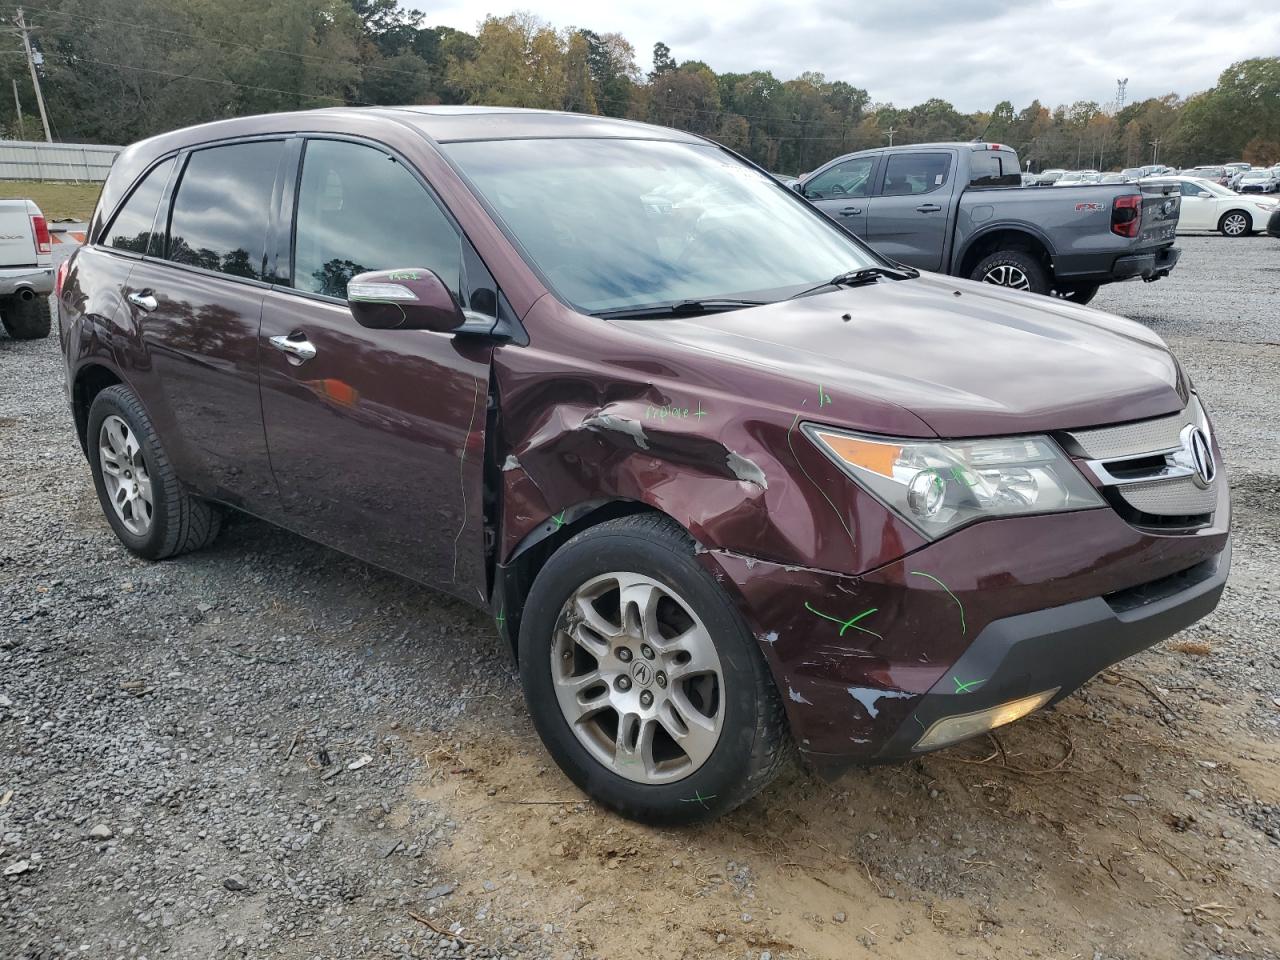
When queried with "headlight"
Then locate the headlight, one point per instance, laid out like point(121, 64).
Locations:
point(938, 486)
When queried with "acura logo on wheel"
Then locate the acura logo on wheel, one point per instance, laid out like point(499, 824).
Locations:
point(641, 673)
point(1198, 454)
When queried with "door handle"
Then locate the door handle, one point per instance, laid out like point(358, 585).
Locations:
point(928, 208)
point(302, 349)
point(850, 211)
point(143, 301)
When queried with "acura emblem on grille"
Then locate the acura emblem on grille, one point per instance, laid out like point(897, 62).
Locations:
point(1197, 454)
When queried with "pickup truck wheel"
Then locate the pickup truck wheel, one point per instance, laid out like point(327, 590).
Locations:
point(1014, 269)
point(642, 679)
point(26, 319)
point(1080, 295)
point(141, 496)
point(1235, 223)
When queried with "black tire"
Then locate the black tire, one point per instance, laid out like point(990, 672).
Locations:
point(754, 744)
point(26, 319)
point(1081, 295)
point(1225, 225)
point(1037, 281)
point(180, 522)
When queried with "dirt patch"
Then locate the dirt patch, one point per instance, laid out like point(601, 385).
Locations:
point(1109, 825)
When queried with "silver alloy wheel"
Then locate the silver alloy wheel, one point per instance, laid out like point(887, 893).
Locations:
point(1235, 224)
point(124, 472)
point(638, 678)
point(1007, 275)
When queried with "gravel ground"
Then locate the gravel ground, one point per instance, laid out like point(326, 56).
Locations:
point(260, 750)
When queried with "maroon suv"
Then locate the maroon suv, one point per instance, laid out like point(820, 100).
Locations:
point(724, 477)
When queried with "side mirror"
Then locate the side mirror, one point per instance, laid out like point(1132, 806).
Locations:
point(798, 187)
point(406, 299)
point(1205, 195)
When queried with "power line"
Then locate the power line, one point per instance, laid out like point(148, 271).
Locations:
point(225, 83)
point(230, 43)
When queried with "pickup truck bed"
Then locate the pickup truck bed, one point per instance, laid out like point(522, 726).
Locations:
point(959, 208)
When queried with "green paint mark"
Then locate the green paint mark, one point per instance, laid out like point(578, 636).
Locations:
point(967, 685)
point(846, 624)
point(700, 412)
point(559, 518)
point(963, 476)
point(823, 397)
point(698, 798)
point(403, 275)
point(502, 618)
point(917, 573)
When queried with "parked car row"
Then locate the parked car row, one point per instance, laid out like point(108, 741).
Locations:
point(1206, 205)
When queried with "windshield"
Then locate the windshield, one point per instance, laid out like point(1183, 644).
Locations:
point(1257, 175)
point(625, 223)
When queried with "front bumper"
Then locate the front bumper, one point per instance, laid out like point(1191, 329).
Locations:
point(1063, 647)
point(865, 664)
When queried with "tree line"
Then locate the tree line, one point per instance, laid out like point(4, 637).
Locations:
point(119, 70)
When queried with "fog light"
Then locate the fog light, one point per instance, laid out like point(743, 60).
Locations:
point(966, 725)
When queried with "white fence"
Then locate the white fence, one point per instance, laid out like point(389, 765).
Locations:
point(30, 160)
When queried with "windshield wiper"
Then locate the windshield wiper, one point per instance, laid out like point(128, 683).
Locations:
point(856, 278)
point(679, 308)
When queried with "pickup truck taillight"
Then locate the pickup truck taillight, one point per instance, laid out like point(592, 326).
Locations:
point(1126, 215)
point(60, 278)
point(40, 231)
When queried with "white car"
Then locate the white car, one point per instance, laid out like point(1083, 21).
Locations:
point(1208, 206)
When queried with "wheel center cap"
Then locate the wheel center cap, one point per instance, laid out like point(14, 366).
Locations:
point(641, 672)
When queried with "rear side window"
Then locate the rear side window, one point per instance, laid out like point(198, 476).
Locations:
point(134, 226)
point(359, 209)
point(849, 178)
point(994, 168)
point(911, 174)
point(221, 210)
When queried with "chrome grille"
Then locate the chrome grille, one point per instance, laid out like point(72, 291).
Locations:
point(1144, 467)
point(1146, 436)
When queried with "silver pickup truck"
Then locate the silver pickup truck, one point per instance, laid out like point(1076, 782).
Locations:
point(960, 208)
point(26, 270)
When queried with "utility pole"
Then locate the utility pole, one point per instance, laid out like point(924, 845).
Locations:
point(890, 133)
point(22, 127)
point(35, 77)
point(1155, 149)
point(1120, 88)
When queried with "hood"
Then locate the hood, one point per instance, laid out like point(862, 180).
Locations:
point(968, 359)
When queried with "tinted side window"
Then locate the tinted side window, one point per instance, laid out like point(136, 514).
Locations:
point(850, 178)
point(1191, 189)
point(908, 174)
point(134, 226)
point(994, 168)
point(220, 212)
point(359, 209)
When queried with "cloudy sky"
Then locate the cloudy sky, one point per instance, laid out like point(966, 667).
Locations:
point(971, 52)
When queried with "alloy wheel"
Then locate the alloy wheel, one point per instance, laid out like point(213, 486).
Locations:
point(1234, 224)
point(125, 474)
point(638, 678)
point(1007, 275)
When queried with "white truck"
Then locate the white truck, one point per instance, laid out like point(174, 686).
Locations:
point(26, 270)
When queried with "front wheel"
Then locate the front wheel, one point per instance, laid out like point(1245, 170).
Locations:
point(1235, 223)
point(1014, 269)
point(643, 680)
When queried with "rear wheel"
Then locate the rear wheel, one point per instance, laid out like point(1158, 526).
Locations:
point(140, 494)
point(1235, 223)
point(1014, 269)
point(645, 684)
point(26, 319)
